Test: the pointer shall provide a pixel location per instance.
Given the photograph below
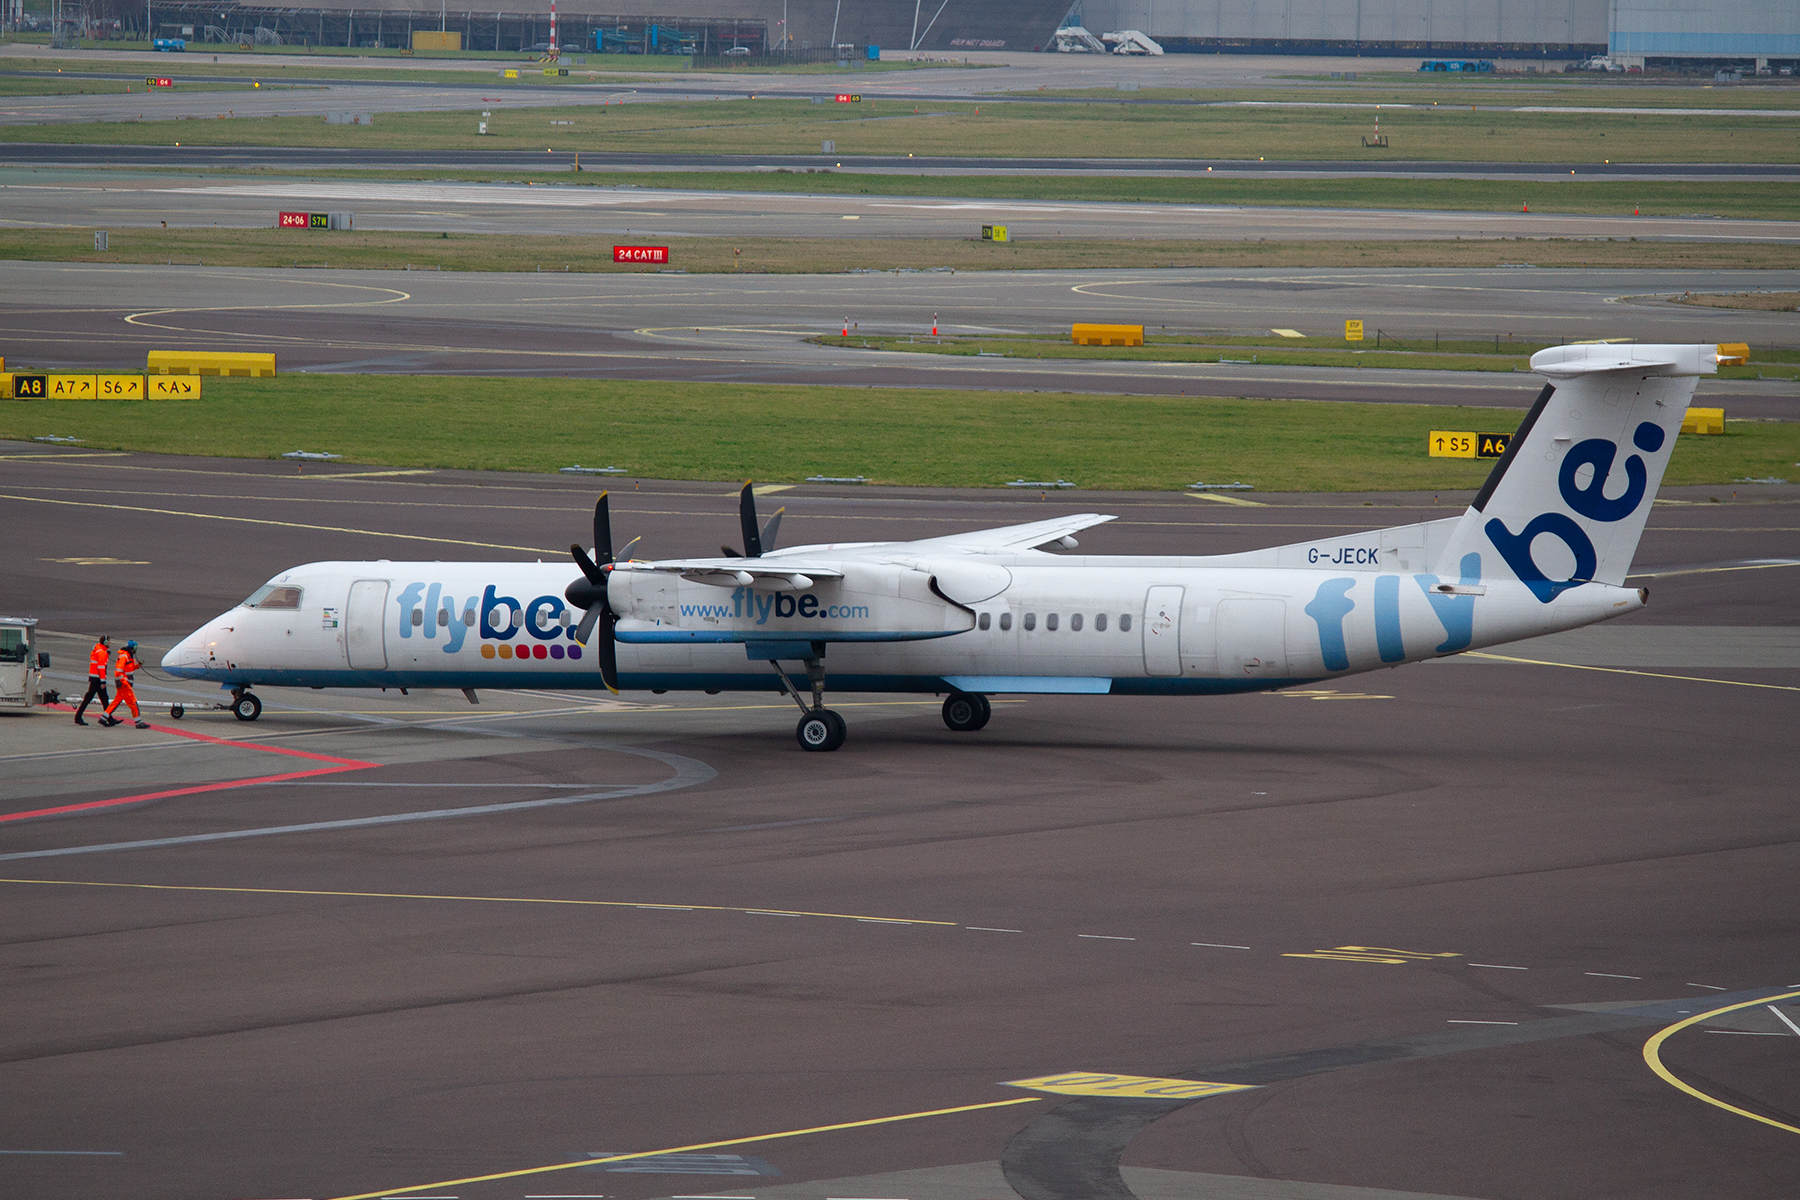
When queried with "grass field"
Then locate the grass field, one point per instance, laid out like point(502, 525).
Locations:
point(25, 85)
point(1412, 353)
point(897, 127)
point(783, 434)
point(369, 250)
point(1454, 91)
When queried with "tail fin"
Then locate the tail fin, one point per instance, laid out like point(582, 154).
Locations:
point(1567, 502)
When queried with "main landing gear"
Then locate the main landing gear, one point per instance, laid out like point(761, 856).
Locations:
point(819, 728)
point(965, 712)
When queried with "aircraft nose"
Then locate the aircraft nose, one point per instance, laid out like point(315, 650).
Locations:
point(187, 658)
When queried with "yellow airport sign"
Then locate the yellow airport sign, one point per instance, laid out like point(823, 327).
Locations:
point(30, 387)
point(1353, 331)
point(1139, 1087)
point(174, 387)
point(71, 387)
point(509, 73)
point(1446, 443)
point(119, 387)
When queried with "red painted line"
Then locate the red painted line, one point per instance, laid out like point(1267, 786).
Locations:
point(340, 764)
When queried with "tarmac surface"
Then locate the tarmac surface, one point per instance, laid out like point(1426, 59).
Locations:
point(1424, 922)
point(432, 158)
point(117, 199)
point(753, 328)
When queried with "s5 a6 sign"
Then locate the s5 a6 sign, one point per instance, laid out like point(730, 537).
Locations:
point(640, 254)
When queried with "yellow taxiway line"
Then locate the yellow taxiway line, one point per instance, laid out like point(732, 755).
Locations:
point(1538, 662)
point(1653, 1056)
point(697, 1147)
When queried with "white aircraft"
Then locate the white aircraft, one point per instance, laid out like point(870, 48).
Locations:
point(1545, 546)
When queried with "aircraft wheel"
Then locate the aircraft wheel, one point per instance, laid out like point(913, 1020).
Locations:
point(176, 711)
point(821, 729)
point(966, 712)
point(246, 707)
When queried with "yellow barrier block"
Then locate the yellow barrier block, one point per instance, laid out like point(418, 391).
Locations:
point(70, 387)
point(119, 387)
point(174, 387)
point(193, 362)
point(1733, 354)
point(5, 384)
point(1107, 335)
point(1704, 420)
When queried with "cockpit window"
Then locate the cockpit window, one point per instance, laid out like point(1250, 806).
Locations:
point(274, 596)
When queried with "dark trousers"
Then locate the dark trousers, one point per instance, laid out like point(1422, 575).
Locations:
point(96, 687)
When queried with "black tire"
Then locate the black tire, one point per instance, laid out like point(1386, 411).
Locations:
point(816, 731)
point(246, 707)
point(965, 712)
point(176, 711)
point(840, 730)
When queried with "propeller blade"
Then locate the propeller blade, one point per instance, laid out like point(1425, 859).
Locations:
point(771, 529)
point(728, 552)
point(747, 518)
point(602, 530)
point(608, 653)
point(625, 554)
point(588, 567)
point(585, 630)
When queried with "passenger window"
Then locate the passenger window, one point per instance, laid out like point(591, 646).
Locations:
point(984, 620)
point(271, 596)
point(468, 617)
point(1099, 622)
point(1030, 621)
point(443, 617)
point(1075, 623)
point(1050, 622)
point(418, 617)
point(1005, 621)
point(1124, 622)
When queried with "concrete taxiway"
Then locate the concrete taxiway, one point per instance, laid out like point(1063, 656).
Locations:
point(754, 328)
point(1420, 927)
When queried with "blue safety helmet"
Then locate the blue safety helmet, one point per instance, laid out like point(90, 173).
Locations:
point(131, 645)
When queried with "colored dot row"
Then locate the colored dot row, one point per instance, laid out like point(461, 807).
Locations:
point(488, 650)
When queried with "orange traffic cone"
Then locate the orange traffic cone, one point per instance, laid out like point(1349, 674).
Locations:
point(1524, 208)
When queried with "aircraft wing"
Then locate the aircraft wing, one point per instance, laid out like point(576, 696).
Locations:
point(770, 574)
point(1013, 538)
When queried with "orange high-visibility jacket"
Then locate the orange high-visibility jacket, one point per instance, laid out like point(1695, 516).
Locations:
point(125, 667)
point(97, 660)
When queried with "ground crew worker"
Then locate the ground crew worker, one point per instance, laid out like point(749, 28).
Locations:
point(97, 659)
point(126, 666)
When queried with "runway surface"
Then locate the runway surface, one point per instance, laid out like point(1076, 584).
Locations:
point(822, 976)
point(122, 200)
point(429, 158)
point(753, 329)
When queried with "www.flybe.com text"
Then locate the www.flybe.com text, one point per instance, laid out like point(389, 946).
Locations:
point(746, 602)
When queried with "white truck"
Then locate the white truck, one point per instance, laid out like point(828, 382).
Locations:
point(21, 665)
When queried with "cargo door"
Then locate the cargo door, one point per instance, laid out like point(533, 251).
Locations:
point(1162, 631)
point(1252, 638)
point(365, 637)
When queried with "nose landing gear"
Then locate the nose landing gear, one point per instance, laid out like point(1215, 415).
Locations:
point(819, 728)
point(245, 705)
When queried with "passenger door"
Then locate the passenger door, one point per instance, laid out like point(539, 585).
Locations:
point(365, 636)
point(1162, 631)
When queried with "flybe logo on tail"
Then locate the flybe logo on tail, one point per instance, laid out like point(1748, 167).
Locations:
point(1581, 481)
